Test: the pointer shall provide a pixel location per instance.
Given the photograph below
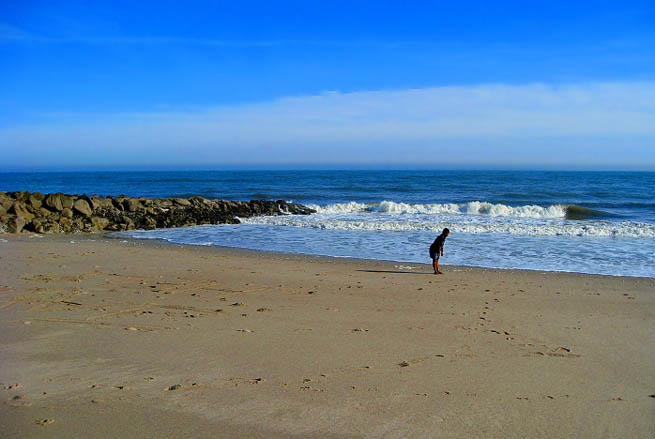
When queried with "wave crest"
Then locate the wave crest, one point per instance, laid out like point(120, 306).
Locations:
point(470, 208)
point(601, 229)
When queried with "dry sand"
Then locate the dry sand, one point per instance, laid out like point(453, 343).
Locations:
point(103, 338)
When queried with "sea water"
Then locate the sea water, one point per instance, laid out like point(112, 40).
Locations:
point(589, 222)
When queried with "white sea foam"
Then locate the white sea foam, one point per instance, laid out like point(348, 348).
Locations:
point(484, 234)
point(470, 208)
point(585, 252)
point(561, 228)
point(351, 207)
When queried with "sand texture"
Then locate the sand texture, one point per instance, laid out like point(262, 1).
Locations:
point(108, 338)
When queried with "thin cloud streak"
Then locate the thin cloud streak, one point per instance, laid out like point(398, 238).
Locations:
point(485, 122)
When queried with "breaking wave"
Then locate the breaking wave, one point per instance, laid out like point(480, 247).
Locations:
point(608, 229)
point(471, 208)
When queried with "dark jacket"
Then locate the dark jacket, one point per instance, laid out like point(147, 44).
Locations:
point(437, 246)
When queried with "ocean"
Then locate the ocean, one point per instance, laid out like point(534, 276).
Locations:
point(587, 222)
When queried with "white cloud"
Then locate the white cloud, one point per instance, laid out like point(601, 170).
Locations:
point(487, 123)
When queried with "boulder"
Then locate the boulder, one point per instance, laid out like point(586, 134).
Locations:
point(60, 213)
point(21, 195)
point(117, 203)
point(99, 223)
point(18, 208)
point(35, 200)
point(129, 225)
point(65, 225)
point(15, 224)
point(82, 206)
point(77, 226)
point(162, 202)
point(37, 226)
point(149, 223)
point(53, 201)
point(4, 219)
point(95, 202)
point(182, 201)
point(6, 201)
point(98, 202)
point(131, 205)
point(68, 201)
point(51, 227)
point(200, 201)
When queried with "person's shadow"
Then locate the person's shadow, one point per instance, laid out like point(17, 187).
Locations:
point(393, 272)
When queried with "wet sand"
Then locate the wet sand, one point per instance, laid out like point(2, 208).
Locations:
point(105, 338)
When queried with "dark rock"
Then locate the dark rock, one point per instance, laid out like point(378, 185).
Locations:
point(15, 223)
point(163, 202)
point(98, 202)
point(53, 201)
point(78, 225)
point(149, 223)
point(36, 200)
point(61, 213)
point(131, 204)
point(128, 223)
point(51, 227)
point(6, 201)
point(21, 196)
point(35, 226)
point(19, 209)
point(82, 206)
point(4, 219)
point(118, 203)
point(182, 201)
point(65, 225)
point(67, 201)
point(99, 223)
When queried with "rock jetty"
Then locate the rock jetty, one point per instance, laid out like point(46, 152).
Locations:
point(61, 213)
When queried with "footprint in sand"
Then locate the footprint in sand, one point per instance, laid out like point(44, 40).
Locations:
point(44, 421)
point(18, 401)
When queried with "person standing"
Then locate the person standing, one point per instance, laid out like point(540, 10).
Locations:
point(436, 250)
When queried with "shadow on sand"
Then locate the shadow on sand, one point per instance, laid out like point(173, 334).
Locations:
point(394, 272)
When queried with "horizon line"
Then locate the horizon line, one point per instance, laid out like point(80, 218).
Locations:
point(269, 167)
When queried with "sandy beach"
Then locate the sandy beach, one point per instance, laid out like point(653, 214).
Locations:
point(107, 338)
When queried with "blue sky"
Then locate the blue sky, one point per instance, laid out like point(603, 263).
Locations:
point(455, 84)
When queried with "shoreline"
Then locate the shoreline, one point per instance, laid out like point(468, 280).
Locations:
point(347, 258)
point(178, 339)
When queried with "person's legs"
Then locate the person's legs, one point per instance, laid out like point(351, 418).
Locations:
point(435, 265)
